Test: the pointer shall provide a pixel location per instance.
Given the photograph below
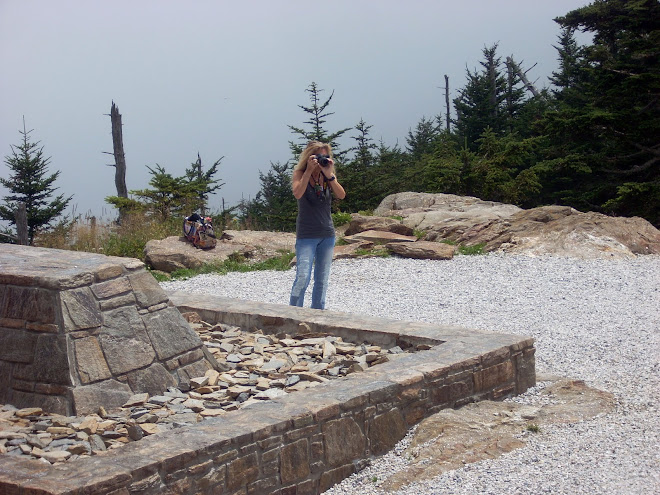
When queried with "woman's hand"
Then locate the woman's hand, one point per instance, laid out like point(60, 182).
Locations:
point(329, 170)
point(313, 165)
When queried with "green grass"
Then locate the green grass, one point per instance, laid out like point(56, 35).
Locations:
point(472, 250)
point(420, 234)
point(466, 250)
point(380, 253)
point(533, 428)
point(232, 264)
point(340, 218)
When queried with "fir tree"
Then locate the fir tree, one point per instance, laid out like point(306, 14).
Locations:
point(203, 181)
point(317, 132)
point(274, 207)
point(607, 125)
point(358, 175)
point(30, 183)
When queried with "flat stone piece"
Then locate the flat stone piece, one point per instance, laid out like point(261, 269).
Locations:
point(80, 310)
point(154, 379)
point(111, 393)
point(380, 237)
point(111, 288)
point(50, 349)
point(385, 431)
point(170, 333)
point(125, 342)
point(426, 250)
point(54, 268)
point(17, 346)
point(137, 400)
point(90, 361)
point(28, 303)
point(344, 441)
point(147, 290)
point(295, 461)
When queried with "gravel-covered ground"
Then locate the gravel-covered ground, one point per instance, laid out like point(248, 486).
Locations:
point(595, 320)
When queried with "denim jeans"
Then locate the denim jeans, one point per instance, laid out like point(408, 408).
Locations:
point(310, 253)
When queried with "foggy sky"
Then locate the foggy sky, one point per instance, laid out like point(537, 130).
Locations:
point(225, 78)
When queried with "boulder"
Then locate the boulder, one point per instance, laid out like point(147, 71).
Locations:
point(487, 429)
point(422, 250)
point(360, 223)
point(379, 237)
point(174, 253)
point(557, 230)
point(565, 231)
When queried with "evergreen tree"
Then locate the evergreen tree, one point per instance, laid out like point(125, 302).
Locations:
point(390, 164)
point(317, 132)
point(604, 134)
point(169, 195)
point(203, 181)
point(357, 175)
point(421, 141)
point(274, 207)
point(480, 102)
point(30, 183)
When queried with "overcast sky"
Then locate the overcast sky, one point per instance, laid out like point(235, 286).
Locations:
point(226, 78)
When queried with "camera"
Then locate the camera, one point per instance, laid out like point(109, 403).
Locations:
point(324, 160)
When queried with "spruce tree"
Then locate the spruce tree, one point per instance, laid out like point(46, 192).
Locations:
point(480, 103)
point(317, 118)
point(274, 206)
point(357, 175)
point(30, 183)
point(203, 181)
point(607, 122)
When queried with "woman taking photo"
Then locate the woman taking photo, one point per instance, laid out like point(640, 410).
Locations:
point(314, 185)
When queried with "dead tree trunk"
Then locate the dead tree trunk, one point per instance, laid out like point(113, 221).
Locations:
point(20, 217)
point(523, 77)
point(118, 151)
point(447, 101)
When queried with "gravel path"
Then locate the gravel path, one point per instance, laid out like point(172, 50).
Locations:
point(595, 320)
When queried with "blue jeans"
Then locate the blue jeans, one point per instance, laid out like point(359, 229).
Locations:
point(316, 253)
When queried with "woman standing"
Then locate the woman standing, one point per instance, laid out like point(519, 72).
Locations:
point(314, 184)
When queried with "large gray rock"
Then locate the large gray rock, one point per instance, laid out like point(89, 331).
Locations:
point(558, 230)
point(488, 429)
point(360, 223)
point(424, 250)
point(174, 253)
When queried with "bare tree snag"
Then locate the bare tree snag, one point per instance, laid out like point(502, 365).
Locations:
point(522, 75)
point(447, 101)
point(21, 224)
point(118, 148)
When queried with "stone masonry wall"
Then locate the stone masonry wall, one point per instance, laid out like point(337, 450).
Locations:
point(309, 440)
point(79, 331)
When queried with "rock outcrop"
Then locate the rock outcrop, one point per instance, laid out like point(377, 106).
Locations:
point(487, 429)
point(557, 230)
point(175, 253)
point(463, 220)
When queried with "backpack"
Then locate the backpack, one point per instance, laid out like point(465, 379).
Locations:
point(199, 231)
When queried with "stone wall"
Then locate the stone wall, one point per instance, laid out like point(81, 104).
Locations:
point(309, 440)
point(80, 330)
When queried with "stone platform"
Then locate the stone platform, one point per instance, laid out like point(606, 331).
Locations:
point(82, 330)
point(309, 440)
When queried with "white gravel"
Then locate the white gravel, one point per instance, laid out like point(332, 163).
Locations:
point(595, 320)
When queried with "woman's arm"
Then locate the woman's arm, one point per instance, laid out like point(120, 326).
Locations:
point(300, 181)
point(331, 179)
point(336, 188)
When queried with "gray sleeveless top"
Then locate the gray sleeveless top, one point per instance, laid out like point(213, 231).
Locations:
point(314, 217)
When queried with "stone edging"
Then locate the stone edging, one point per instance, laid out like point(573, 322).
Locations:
point(307, 441)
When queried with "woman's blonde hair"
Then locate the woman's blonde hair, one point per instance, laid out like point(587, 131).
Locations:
point(311, 149)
